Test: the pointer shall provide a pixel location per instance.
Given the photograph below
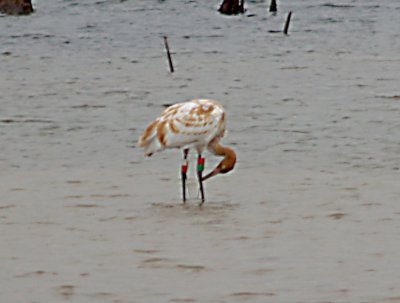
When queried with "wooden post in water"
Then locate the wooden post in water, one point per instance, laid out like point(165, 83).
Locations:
point(273, 8)
point(286, 29)
point(171, 66)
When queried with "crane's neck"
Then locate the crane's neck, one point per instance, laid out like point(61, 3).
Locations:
point(226, 152)
point(227, 164)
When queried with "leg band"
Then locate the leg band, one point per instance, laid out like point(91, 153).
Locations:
point(200, 164)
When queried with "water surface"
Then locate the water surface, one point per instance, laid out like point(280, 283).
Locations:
point(309, 215)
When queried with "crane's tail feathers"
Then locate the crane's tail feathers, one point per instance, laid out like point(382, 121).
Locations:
point(149, 141)
point(151, 146)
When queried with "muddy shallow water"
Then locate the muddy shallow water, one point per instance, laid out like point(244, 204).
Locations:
point(310, 214)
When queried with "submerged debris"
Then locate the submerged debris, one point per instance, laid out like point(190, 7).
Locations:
point(232, 7)
point(16, 7)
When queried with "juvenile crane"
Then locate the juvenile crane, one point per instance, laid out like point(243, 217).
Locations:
point(196, 124)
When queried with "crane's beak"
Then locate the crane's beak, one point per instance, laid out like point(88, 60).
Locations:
point(215, 172)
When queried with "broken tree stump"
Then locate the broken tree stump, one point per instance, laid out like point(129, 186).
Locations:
point(16, 7)
point(232, 7)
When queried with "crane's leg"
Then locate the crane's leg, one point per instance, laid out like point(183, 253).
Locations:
point(200, 169)
point(183, 173)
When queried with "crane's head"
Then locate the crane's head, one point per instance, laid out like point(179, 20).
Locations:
point(226, 165)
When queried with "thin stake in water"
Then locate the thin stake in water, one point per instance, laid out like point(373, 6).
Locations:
point(171, 66)
point(286, 29)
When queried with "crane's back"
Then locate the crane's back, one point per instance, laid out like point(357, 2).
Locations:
point(184, 125)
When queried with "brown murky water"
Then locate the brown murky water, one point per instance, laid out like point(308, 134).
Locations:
point(311, 214)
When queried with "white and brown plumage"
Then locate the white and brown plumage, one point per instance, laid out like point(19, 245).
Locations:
point(197, 124)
